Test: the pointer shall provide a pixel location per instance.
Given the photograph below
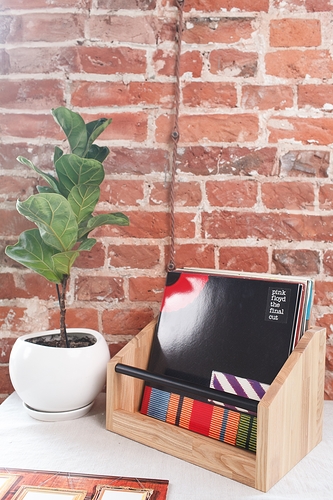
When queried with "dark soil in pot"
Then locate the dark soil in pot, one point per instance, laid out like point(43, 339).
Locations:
point(75, 340)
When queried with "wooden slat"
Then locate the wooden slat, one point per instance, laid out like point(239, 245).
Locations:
point(290, 414)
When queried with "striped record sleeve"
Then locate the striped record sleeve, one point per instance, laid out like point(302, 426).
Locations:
point(228, 426)
point(244, 387)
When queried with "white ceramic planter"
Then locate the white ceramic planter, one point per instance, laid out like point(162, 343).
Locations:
point(58, 383)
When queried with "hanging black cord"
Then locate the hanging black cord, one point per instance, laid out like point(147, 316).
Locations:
point(175, 136)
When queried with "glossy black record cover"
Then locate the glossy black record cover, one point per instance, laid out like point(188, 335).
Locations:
point(234, 325)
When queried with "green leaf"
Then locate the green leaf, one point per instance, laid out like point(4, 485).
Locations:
point(63, 261)
point(83, 199)
point(32, 252)
point(57, 154)
point(95, 128)
point(52, 181)
point(117, 219)
point(54, 217)
point(73, 170)
point(87, 244)
point(45, 189)
point(98, 153)
point(74, 127)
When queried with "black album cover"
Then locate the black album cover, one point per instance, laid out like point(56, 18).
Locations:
point(229, 324)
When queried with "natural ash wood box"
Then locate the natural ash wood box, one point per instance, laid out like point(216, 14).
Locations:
point(290, 415)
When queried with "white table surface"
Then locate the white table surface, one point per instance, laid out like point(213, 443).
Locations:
point(85, 446)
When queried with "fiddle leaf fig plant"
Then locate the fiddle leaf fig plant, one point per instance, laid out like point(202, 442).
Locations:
point(63, 209)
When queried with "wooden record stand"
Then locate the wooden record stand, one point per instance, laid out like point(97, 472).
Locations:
point(289, 418)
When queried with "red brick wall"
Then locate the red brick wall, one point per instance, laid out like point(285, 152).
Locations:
point(254, 172)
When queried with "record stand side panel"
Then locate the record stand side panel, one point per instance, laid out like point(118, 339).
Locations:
point(290, 415)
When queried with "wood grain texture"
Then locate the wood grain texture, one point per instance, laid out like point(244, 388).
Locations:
point(289, 416)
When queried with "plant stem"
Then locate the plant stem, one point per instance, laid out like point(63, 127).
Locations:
point(62, 304)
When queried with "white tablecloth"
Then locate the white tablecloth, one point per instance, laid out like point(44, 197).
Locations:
point(85, 446)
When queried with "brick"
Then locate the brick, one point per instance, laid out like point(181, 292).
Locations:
point(115, 347)
point(7, 261)
point(232, 193)
point(209, 94)
point(316, 96)
point(215, 128)
point(305, 130)
point(34, 285)
point(4, 62)
point(296, 262)
point(326, 197)
point(151, 225)
point(125, 126)
point(295, 33)
point(6, 345)
point(31, 94)
point(187, 194)
point(329, 357)
point(305, 163)
point(126, 321)
point(40, 155)
point(233, 63)
point(328, 389)
point(244, 161)
point(296, 64)
point(134, 256)
point(199, 160)
point(79, 317)
point(288, 195)
point(99, 288)
point(12, 223)
point(29, 126)
point(144, 30)
point(323, 293)
point(164, 62)
point(40, 60)
point(37, 4)
point(191, 62)
point(140, 161)
point(144, 289)
point(142, 225)
point(326, 321)
point(120, 94)
point(292, 6)
point(110, 61)
point(127, 4)
point(11, 319)
point(202, 30)
point(217, 5)
point(5, 27)
point(12, 188)
point(193, 255)
point(249, 259)
point(318, 5)
point(93, 259)
point(206, 160)
point(5, 383)
point(48, 27)
point(267, 96)
point(122, 193)
point(328, 262)
point(14, 286)
point(7, 286)
point(273, 226)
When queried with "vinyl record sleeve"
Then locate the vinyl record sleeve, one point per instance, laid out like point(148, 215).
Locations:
point(231, 324)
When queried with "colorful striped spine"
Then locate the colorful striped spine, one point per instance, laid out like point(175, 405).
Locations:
point(229, 426)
